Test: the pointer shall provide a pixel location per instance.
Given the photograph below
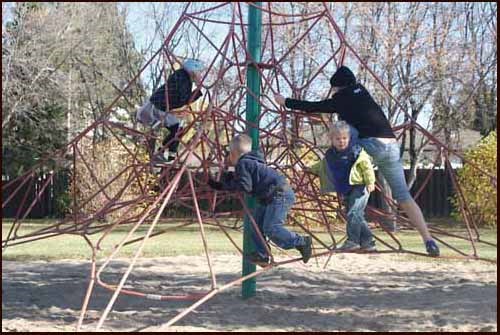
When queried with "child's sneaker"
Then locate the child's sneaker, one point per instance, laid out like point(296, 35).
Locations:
point(432, 248)
point(349, 246)
point(369, 247)
point(158, 159)
point(256, 258)
point(306, 249)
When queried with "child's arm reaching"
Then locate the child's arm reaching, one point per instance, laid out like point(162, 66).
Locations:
point(216, 185)
point(239, 181)
point(225, 183)
point(196, 94)
point(314, 169)
point(367, 171)
point(370, 188)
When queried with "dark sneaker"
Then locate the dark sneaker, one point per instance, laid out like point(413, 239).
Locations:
point(349, 246)
point(369, 247)
point(158, 158)
point(432, 248)
point(306, 249)
point(256, 258)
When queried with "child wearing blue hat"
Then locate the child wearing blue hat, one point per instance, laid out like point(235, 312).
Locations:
point(177, 92)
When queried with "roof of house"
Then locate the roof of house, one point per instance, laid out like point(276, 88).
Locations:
point(460, 141)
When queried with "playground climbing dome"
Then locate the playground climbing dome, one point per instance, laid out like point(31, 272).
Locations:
point(289, 140)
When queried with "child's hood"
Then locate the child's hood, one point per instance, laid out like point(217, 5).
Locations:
point(254, 155)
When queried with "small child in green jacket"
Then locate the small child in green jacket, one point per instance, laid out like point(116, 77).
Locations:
point(347, 170)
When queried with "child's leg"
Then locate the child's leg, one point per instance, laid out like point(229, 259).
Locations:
point(173, 130)
point(174, 126)
point(151, 143)
point(274, 219)
point(258, 216)
point(387, 158)
point(366, 236)
point(169, 121)
point(357, 227)
point(145, 116)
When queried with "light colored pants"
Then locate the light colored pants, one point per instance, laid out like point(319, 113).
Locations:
point(152, 117)
point(357, 227)
point(386, 157)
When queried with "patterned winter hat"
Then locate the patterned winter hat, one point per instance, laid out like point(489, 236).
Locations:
point(193, 65)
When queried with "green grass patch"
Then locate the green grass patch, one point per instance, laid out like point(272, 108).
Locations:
point(187, 241)
point(182, 241)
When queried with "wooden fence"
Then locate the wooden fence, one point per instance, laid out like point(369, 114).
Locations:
point(46, 207)
point(434, 199)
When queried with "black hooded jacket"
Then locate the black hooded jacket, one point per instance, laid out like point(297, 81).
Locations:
point(253, 176)
point(355, 105)
point(180, 87)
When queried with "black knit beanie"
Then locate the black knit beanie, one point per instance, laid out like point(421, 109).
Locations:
point(343, 77)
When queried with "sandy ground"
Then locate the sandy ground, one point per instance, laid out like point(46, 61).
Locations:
point(354, 293)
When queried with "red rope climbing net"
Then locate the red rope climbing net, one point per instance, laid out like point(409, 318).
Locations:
point(287, 140)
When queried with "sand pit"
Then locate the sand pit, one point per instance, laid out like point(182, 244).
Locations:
point(354, 293)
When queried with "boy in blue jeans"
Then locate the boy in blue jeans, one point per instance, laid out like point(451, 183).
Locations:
point(347, 170)
point(274, 199)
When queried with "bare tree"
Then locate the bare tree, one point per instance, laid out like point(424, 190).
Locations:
point(64, 63)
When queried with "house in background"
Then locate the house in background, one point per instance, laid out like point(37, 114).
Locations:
point(460, 141)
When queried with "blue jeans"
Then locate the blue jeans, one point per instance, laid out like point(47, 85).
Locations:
point(357, 227)
point(270, 219)
point(386, 157)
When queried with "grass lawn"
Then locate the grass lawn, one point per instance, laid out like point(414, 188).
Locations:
point(183, 241)
point(187, 241)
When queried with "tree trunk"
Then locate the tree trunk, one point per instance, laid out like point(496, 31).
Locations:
point(389, 223)
point(413, 153)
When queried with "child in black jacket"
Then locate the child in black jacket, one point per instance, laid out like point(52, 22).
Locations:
point(175, 94)
point(274, 196)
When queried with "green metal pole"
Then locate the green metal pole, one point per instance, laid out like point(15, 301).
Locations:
point(252, 115)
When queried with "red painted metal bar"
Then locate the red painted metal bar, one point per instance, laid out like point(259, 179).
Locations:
point(148, 233)
point(90, 287)
point(213, 293)
point(300, 39)
point(318, 13)
point(92, 174)
point(279, 152)
point(16, 222)
point(284, 23)
point(27, 177)
point(427, 178)
point(256, 229)
point(33, 203)
point(208, 9)
point(11, 230)
point(463, 205)
point(202, 231)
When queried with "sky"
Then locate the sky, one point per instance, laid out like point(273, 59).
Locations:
point(142, 27)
